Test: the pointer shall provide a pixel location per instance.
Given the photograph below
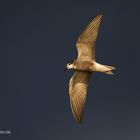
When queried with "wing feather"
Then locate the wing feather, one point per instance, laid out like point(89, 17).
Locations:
point(86, 41)
point(77, 90)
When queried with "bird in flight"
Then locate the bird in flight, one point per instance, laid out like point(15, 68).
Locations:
point(84, 66)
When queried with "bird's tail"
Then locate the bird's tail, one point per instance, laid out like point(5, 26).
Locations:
point(110, 69)
point(104, 68)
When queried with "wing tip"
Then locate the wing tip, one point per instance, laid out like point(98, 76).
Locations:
point(77, 117)
point(78, 120)
point(99, 16)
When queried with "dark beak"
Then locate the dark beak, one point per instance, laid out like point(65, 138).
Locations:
point(65, 69)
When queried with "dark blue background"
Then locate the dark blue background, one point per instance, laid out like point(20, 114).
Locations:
point(37, 39)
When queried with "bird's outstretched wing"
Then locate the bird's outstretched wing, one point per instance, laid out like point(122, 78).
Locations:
point(77, 90)
point(86, 41)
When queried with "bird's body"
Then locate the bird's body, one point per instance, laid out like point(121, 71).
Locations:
point(84, 66)
point(90, 66)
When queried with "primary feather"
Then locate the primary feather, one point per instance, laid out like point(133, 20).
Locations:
point(77, 90)
point(86, 41)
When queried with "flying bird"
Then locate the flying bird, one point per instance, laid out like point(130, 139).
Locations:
point(84, 66)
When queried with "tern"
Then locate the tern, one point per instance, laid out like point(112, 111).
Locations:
point(84, 66)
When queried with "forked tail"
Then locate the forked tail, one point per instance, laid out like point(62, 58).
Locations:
point(104, 68)
point(110, 69)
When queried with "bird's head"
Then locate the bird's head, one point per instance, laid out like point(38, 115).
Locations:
point(70, 65)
